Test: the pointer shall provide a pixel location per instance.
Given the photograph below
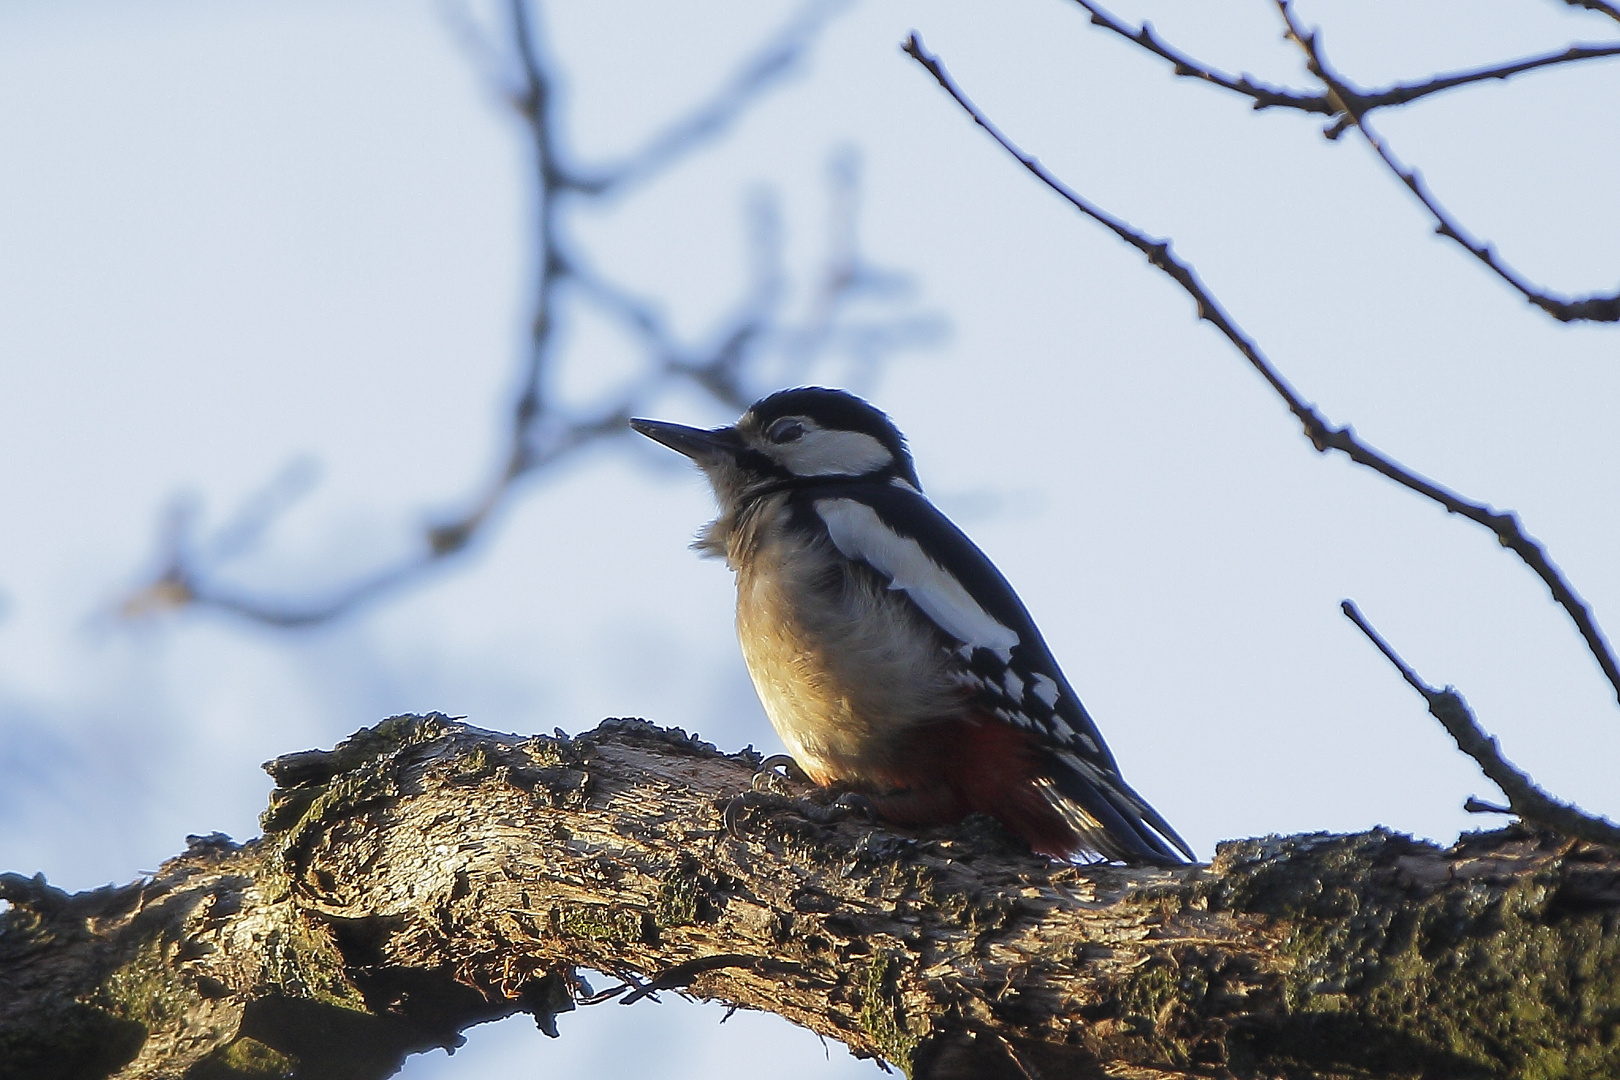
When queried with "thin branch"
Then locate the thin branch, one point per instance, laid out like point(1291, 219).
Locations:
point(1403, 93)
point(1346, 100)
point(1524, 797)
point(1262, 95)
point(1265, 96)
point(728, 365)
point(1350, 105)
point(1598, 6)
point(1504, 524)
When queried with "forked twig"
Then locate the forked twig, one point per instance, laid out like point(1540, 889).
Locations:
point(1524, 797)
point(1350, 106)
point(1265, 96)
point(1346, 101)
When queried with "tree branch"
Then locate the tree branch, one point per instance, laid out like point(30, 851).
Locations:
point(1351, 105)
point(1264, 96)
point(1594, 308)
point(1503, 524)
point(727, 366)
point(1525, 798)
point(1599, 6)
point(426, 876)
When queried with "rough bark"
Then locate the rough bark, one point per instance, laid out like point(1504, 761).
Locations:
point(426, 876)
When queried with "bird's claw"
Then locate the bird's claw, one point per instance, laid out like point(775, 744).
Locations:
point(738, 805)
point(846, 806)
point(768, 779)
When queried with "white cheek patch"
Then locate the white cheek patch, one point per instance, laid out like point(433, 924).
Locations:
point(832, 453)
point(859, 533)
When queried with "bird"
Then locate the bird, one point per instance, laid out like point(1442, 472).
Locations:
point(892, 657)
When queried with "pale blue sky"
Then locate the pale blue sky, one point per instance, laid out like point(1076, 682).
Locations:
point(234, 235)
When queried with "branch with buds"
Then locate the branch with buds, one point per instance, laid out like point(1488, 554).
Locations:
point(1349, 106)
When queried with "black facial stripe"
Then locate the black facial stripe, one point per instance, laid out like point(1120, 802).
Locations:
point(788, 481)
point(753, 461)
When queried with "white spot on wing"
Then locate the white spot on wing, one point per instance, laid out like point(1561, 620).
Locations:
point(1047, 690)
point(1014, 685)
point(967, 678)
point(859, 533)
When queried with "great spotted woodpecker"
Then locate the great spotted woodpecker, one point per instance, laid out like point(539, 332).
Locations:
point(891, 656)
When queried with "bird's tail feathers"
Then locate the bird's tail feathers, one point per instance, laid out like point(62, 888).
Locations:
point(1109, 817)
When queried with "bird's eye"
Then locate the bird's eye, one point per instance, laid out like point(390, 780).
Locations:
point(784, 430)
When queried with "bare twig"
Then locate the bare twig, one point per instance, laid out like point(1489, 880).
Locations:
point(1262, 95)
point(1265, 96)
point(1346, 100)
point(1598, 6)
point(1504, 524)
point(1350, 105)
point(727, 365)
point(1524, 797)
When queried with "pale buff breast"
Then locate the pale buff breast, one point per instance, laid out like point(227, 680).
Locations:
point(841, 664)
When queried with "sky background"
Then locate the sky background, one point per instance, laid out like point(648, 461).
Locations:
point(235, 236)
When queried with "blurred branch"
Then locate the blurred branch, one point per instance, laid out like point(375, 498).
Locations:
point(1346, 101)
point(771, 64)
point(731, 365)
point(1503, 524)
point(1264, 96)
point(1524, 797)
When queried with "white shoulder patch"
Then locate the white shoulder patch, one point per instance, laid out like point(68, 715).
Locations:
point(860, 534)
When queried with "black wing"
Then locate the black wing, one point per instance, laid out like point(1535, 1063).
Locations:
point(1005, 662)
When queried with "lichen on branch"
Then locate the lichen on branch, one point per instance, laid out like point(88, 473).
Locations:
point(426, 876)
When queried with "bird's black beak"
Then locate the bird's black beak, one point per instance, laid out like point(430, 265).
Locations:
point(696, 443)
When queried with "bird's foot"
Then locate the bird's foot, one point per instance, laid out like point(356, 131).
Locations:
point(737, 810)
point(776, 773)
point(822, 806)
point(844, 806)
